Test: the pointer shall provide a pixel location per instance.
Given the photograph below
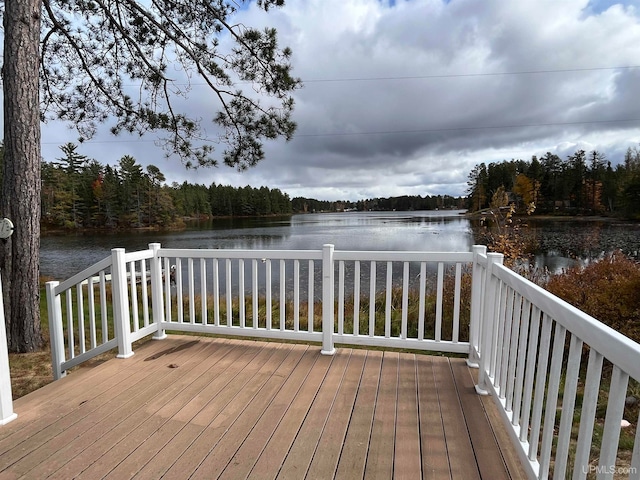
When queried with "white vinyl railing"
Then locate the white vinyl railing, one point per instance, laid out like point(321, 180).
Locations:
point(393, 299)
point(405, 321)
point(541, 359)
point(6, 402)
point(231, 292)
point(553, 371)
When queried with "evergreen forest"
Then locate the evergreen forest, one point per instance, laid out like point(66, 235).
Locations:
point(584, 183)
point(79, 192)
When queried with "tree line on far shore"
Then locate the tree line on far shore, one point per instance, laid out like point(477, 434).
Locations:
point(582, 184)
point(79, 192)
point(401, 203)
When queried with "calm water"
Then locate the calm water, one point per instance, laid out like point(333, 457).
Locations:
point(560, 241)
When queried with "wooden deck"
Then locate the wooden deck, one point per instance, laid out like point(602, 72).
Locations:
point(195, 407)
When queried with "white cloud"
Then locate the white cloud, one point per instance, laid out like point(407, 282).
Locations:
point(472, 102)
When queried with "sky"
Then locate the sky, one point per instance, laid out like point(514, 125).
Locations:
point(405, 97)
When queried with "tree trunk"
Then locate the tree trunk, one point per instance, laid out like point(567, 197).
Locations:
point(20, 200)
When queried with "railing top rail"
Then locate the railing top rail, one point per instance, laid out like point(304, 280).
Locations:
point(409, 256)
point(380, 255)
point(237, 253)
point(617, 348)
point(482, 259)
point(139, 255)
point(83, 275)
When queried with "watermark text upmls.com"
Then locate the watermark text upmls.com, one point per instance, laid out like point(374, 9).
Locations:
point(609, 469)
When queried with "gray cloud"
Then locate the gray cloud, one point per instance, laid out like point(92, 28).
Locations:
point(407, 98)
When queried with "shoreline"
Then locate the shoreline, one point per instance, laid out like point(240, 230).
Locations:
point(550, 217)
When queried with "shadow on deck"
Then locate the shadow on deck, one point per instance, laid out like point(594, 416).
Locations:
point(195, 407)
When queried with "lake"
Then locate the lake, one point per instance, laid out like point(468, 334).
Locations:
point(561, 241)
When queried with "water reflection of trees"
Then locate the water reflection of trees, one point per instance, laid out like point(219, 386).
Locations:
point(587, 239)
point(581, 239)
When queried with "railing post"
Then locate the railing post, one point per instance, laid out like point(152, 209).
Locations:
point(121, 316)
point(56, 333)
point(6, 401)
point(489, 319)
point(157, 298)
point(327, 300)
point(477, 294)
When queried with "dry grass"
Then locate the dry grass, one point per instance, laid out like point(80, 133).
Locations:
point(29, 371)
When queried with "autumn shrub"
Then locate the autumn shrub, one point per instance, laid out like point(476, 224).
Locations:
point(504, 233)
point(607, 289)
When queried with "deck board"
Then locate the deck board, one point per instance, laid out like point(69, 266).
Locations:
point(356, 446)
point(490, 462)
point(217, 422)
point(277, 447)
point(381, 445)
point(56, 427)
point(210, 384)
point(407, 463)
point(253, 416)
point(245, 457)
point(435, 461)
point(233, 409)
point(458, 443)
point(171, 388)
point(327, 454)
point(301, 453)
point(237, 376)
